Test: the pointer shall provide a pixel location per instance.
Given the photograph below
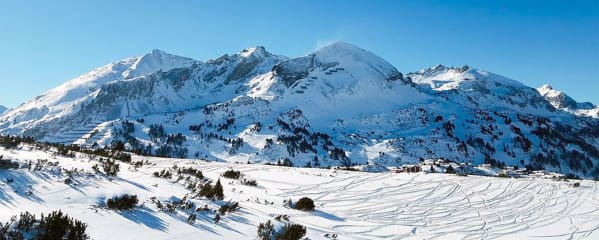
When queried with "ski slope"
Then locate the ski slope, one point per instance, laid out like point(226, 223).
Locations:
point(353, 205)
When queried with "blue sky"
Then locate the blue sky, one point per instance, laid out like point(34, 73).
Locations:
point(45, 43)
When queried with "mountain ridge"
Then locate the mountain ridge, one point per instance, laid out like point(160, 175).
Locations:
point(340, 105)
point(566, 103)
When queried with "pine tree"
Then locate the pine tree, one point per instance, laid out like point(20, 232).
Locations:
point(291, 232)
point(217, 190)
point(206, 191)
point(266, 230)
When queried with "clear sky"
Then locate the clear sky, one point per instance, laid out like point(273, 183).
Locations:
point(45, 43)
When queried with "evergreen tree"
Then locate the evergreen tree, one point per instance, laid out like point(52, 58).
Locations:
point(266, 230)
point(206, 191)
point(291, 232)
point(217, 190)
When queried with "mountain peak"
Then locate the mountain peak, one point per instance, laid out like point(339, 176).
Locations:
point(564, 102)
point(545, 88)
point(157, 52)
point(548, 91)
point(340, 47)
point(155, 60)
point(348, 55)
point(258, 51)
point(438, 67)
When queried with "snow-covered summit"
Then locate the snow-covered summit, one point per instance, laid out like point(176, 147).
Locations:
point(69, 97)
point(564, 102)
point(478, 87)
point(335, 76)
point(344, 53)
point(257, 51)
point(442, 78)
point(340, 64)
point(156, 60)
point(351, 57)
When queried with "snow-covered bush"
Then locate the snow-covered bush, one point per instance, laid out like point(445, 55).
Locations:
point(124, 202)
point(109, 166)
point(55, 225)
point(228, 207)
point(290, 231)
point(450, 169)
point(163, 174)
point(7, 163)
point(215, 191)
point(305, 204)
point(191, 171)
point(232, 174)
point(249, 182)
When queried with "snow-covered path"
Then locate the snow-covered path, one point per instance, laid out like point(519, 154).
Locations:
point(353, 205)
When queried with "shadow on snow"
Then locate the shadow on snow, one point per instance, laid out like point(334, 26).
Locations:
point(146, 217)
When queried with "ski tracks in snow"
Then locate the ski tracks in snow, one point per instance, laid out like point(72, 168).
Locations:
point(420, 206)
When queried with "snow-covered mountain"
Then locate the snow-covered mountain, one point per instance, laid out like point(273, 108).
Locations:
point(3, 109)
point(340, 105)
point(564, 102)
point(69, 98)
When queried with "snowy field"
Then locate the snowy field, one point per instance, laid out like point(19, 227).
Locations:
point(353, 205)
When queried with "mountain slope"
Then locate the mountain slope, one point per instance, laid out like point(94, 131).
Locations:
point(68, 98)
point(564, 102)
point(349, 204)
point(479, 87)
point(340, 105)
point(3, 109)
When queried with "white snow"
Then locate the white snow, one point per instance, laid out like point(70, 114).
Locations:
point(564, 102)
point(70, 96)
point(353, 205)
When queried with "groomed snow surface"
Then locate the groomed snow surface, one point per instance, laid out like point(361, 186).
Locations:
point(353, 205)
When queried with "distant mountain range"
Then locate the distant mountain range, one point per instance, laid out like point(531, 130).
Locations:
point(340, 105)
point(2, 109)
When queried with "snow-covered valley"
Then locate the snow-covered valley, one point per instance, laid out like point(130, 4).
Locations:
point(348, 204)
